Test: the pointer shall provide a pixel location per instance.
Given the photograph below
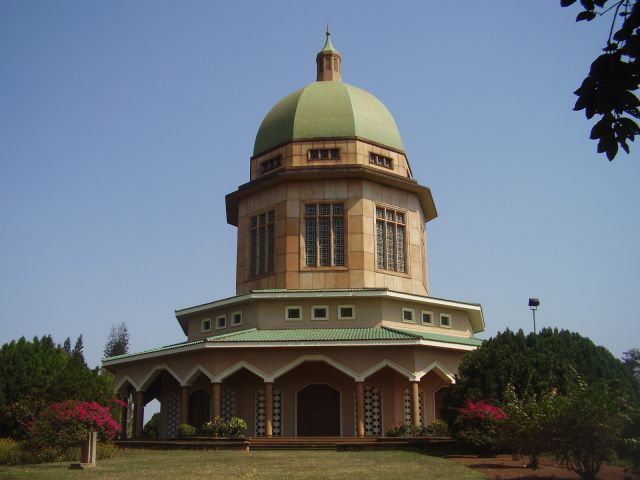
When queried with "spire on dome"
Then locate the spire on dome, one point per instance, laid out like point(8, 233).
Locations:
point(329, 62)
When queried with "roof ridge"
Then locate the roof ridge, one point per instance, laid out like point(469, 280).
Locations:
point(149, 350)
point(213, 338)
point(406, 332)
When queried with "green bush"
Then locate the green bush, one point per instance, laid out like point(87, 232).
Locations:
point(526, 430)
point(11, 452)
point(106, 450)
point(586, 426)
point(437, 428)
point(407, 430)
point(235, 427)
point(186, 430)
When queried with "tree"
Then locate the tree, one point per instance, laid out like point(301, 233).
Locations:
point(117, 341)
point(526, 430)
point(614, 76)
point(78, 348)
point(34, 373)
point(631, 359)
point(536, 364)
point(585, 427)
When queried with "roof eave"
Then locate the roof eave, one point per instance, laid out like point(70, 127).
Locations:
point(288, 174)
point(203, 345)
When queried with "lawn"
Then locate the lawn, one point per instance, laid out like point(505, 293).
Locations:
point(203, 464)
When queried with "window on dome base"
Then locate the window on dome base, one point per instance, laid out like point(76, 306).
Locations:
point(270, 164)
point(262, 233)
point(381, 160)
point(391, 252)
point(324, 154)
point(324, 233)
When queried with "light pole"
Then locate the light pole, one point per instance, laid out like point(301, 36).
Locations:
point(533, 305)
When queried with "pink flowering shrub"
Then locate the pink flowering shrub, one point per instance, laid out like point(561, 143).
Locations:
point(60, 427)
point(478, 424)
point(482, 410)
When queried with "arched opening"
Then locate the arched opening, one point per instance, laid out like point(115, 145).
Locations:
point(238, 396)
point(199, 408)
point(318, 411)
point(125, 418)
point(391, 384)
point(161, 399)
point(151, 420)
point(439, 403)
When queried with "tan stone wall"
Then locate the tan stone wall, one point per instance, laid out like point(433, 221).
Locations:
point(369, 312)
point(352, 152)
point(392, 316)
point(360, 198)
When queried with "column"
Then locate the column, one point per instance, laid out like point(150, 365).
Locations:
point(216, 411)
point(184, 404)
point(123, 417)
point(415, 403)
point(268, 414)
point(360, 408)
point(138, 415)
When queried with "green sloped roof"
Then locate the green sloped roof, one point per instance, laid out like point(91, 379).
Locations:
point(439, 337)
point(313, 335)
point(328, 110)
point(254, 335)
point(153, 350)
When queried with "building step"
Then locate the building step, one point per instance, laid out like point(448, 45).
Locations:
point(285, 443)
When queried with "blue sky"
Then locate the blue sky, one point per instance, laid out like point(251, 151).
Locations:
point(123, 125)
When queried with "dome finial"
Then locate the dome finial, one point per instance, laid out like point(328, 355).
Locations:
point(329, 61)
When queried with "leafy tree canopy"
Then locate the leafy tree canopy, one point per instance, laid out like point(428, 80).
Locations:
point(538, 364)
point(608, 89)
point(117, 341)
point(631, 359)
point(34, 373)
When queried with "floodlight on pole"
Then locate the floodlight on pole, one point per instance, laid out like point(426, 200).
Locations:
point(533, 305)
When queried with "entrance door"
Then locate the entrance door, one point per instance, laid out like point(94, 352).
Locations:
point(318, 411)
point(199, 408)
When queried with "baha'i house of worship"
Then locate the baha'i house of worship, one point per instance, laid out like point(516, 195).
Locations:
point(332, 331)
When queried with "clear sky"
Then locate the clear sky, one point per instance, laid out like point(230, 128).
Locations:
point(124, 123)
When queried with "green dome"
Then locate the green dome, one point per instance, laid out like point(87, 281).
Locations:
point(328, 110)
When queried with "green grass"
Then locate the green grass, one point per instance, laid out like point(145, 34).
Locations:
point(203, 464)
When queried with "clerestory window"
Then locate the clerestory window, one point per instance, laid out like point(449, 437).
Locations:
point(324, 234)
point(391, 252)
point(262, 235)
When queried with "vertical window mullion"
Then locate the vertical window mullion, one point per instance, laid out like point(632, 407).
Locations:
point(331, 244)
point(253, 252)
point(317, 220)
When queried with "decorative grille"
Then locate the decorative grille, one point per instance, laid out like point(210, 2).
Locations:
point(228, 400)
point(408, 411)
point(173, 414)
point(261, 409)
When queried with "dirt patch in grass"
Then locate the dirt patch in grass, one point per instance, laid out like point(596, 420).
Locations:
point(502, 467)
